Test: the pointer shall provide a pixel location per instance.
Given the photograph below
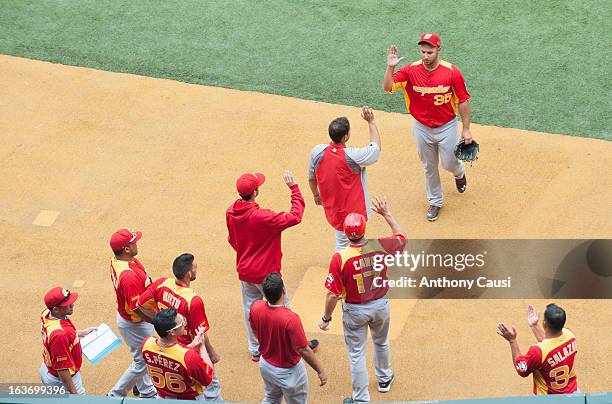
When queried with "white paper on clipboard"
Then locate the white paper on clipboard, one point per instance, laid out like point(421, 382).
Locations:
point(99, 343)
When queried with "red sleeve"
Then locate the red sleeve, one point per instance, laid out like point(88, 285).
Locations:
point(131, 287)
point(147, 298)
point(252, 313)
point(59, 350)
point(333, 282)
point(297, 336)
point(197, 369)
point(283, 220)
point(459, 87)
point(526, 364)
point(401, 75)
point(197, 316)
point(230, 236)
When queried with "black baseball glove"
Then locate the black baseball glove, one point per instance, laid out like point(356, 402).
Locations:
point(467, 152)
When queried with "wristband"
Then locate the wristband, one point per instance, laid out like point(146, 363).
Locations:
point(326, 321)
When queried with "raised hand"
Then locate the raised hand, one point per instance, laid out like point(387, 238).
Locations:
point(532, 316)
point(392, 58)
point(288, 178)
point(380, 205)
point(367, 113)
point(506, 333)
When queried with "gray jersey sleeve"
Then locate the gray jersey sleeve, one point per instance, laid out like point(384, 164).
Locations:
point(315, 158)
point(364, 156)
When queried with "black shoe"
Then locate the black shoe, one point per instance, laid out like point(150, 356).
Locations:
point(314, 344)
point(432, 213)
point(461, 184)
point(135, 391)
point(386, 386)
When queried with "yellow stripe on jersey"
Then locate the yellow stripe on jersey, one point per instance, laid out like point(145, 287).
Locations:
point(548, 345)
point(353, 252)
point(446, 64)
point(176, 353)
point(50, 325)
point(540, 384)
point(185, 293)
point(397, 86)
point(119, 267)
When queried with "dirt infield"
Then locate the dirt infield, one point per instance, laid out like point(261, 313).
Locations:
point(109, 150)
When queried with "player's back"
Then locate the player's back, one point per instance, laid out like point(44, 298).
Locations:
point(176, 371)
point(358, 272)
point(167, 293)
point(556, 374)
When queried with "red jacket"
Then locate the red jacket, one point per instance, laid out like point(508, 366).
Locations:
point(255, 234)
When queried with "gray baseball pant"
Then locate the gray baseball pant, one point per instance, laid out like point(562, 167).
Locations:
point(341, 240)
point(356, 319)
point(434, 142)
point(288, 383)
point(49, 380)
point(251, 292)
point(212, 391)
point(133, 334)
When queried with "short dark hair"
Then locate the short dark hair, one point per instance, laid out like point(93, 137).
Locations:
point(182, 264)
point(555, 317)
point(164, 321)
point(273, 287)
point(246, 198)
point(338, 128)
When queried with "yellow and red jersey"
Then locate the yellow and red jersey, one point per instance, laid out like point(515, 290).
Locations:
point(165, 293)
point(552, 364)
point(351, 270)
point(432, 98)
point(130, 279)
point(61, 346)
point(176, 371)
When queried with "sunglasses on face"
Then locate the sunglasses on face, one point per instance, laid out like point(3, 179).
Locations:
point(179, 323)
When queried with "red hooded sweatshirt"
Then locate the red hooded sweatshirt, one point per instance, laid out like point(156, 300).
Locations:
point(255, 234)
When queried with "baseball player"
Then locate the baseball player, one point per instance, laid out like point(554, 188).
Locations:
point(129, 280)
point(434, 91)
point(351, 277)
point(177, 293)
point(551, 360)
point(178, 372)
point(337, 173)
point(62, 356)
point(255, 235)
point(283, 344)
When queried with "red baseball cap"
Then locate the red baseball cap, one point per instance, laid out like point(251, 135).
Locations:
point(354, 226)
point(248, 183)
point(431, 38)
point(123, 237)
point(59, 297)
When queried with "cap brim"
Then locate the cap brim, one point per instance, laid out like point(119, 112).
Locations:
point(70, 300)
point(138, 236)
point(427, 42)
point(260, 179)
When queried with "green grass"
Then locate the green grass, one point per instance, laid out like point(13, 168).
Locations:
point(539, 65)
